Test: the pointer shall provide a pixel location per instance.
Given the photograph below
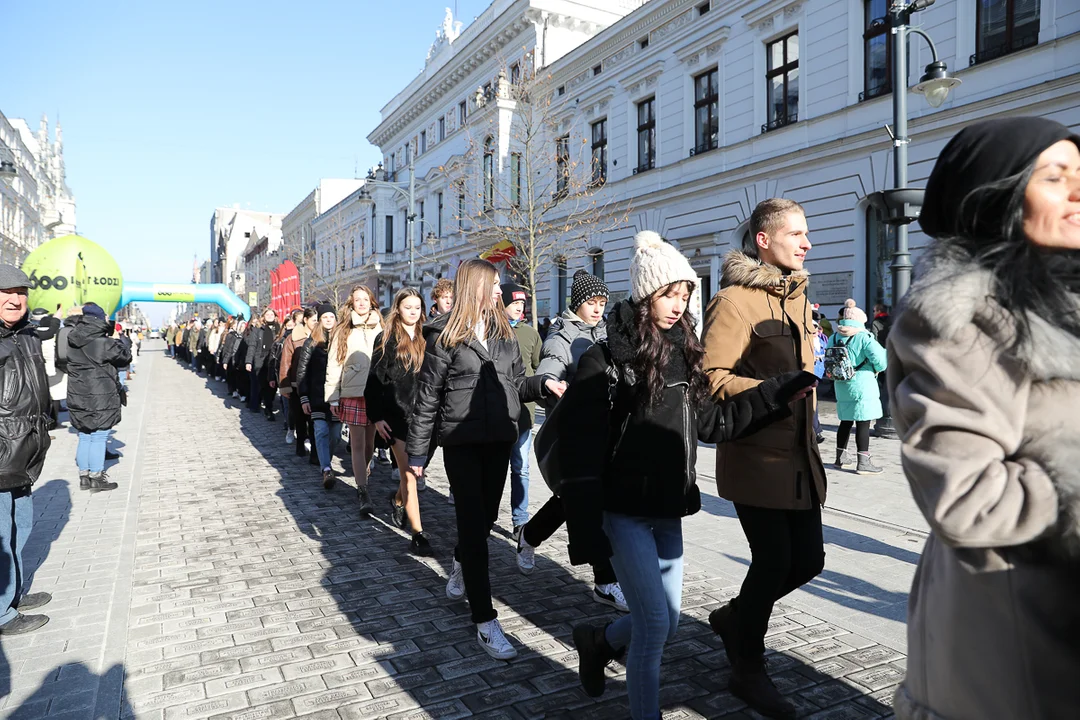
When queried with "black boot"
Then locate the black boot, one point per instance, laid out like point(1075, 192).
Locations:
point(722, 622)
point(84, 481)
point(99, 482)
point(594, 653)
point(750, 683)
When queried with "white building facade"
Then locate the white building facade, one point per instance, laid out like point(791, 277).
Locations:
point(298, 232)
point(231, 232)
point(36, 204)
point(699, 110)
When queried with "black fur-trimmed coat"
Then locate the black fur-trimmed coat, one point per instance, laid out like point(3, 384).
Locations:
point(991, 449)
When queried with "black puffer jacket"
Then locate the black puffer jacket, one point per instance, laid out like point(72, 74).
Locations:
point(259, 342)
point(390, 393)
point(638, 460)
point(311, 378)
point(93, 395)
point(24, 406)
point(473, 395)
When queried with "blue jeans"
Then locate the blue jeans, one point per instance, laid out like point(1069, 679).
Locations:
point(16, 521)
point(90, 455)
point(648, 559)
point(327, 433)
point(519, 478)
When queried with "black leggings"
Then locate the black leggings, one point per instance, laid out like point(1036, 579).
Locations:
point(550, 518)
point(862, 435)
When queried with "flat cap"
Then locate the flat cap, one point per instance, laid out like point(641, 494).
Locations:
point(12, 277)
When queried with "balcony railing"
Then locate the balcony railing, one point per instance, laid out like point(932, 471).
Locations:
point(780, 122)
point(993, 53)
point(646, 167)
point(710, 144)
point(875, 92)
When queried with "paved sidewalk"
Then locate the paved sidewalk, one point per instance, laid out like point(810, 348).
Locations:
point(222, 581)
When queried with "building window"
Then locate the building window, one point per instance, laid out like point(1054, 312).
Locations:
point(388, 245)
point(488, 94)
point(643, 43)
point(599, 152)
point(646, 136)
point(515, 179)
point(562, 165)
point(438, 218)
point(352, 251)
point(515, 74)
point(597, 70)
point(877, 50)
point(562, 280)
point(408, 153)
point(878, 258)
point(1004, 26)
point(463, 112)
point(782, 82)
point(461, 211)
point(702, 9)
point(393, 165)
point(706, 112)
point(442, 129)
point(423, 141)
point(596, 256)
point(489, 173)
point(420, 225)
point(561, 90)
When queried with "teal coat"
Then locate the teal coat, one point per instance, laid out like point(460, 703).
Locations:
point(859, 398)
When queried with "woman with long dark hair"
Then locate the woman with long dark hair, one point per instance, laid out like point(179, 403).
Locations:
point(631, 423)
point(391, 394)
point(304, 323)
point(275, 368)
point(984, 380)
point(311, 382)
point(351, 344)
point(473, 380)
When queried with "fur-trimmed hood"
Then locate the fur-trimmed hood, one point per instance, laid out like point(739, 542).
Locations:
point(741, 269)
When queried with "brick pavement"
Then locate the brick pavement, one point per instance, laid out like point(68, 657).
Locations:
point(222, 581)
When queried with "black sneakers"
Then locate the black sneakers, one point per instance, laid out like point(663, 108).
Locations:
point(594, 653)
point(750, 683)
point(397, 512)
point(420, 545)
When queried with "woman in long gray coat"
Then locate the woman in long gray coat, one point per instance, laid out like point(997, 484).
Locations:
point(984, 375)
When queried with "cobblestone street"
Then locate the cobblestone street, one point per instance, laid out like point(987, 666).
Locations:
point(222, 581)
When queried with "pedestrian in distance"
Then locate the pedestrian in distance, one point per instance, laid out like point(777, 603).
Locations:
point(442, 297)
point(311, 368)
point(285, 382)
point(984, 373)
point(261, 336)
point(351, 345)
point(853, 360)
point(473, 380)
point(572, 334)
point(95, 395)
point(630, 425)
point(820, 340)
point(390, 395)
point(290, 360)
point(761, 323)
point(25, 421)
point(274, 370)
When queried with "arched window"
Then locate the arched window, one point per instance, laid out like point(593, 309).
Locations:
point(489, 173)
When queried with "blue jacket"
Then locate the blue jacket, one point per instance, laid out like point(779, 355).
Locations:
point(859, 398)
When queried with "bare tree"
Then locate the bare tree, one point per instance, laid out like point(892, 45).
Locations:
point(530, 188)
point(324, 274)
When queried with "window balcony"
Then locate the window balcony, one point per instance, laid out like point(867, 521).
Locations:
point(782, 121)
point(646, 167)
point(1006, 48)
point(705, 147)
point(875, 92)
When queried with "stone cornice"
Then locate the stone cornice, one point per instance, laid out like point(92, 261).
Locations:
point(641, 75)
point(761, 18)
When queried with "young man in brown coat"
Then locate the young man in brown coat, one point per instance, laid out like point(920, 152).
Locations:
point(761, 324)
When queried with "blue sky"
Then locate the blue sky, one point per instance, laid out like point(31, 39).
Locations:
point(171, 109)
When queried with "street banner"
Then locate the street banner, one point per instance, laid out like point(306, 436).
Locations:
point(499, 252)
point(285, 287)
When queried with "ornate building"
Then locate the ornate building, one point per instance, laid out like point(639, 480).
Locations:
point(35, 202)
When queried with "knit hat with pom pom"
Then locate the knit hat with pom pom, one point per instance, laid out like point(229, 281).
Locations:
point(852, 312)
point(656, 264)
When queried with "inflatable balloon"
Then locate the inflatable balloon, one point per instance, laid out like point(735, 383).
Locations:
point(72, 270)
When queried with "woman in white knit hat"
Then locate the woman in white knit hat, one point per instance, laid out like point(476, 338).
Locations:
point(644, 388)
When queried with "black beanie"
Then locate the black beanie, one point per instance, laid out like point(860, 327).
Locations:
point(512, 292)
point(323, 308)
point(586, 287)
point(978, 155)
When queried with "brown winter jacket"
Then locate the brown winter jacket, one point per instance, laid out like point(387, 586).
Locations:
point(758, 326)
point(991, 449)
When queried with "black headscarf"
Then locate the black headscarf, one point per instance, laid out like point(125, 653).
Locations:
point(981, 154)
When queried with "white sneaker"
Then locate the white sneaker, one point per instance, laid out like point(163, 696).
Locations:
point(290, 436)
point(455, 586)
point(307, 445)
point(612, 595)
point(526, 555)
point(421, 484)
point(450, 497)
point(491, 637)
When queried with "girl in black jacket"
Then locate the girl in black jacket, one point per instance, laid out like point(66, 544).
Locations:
point(473, 380)
point(310, 382)
point(390, 394)
point(644, 391)
point(260, 339)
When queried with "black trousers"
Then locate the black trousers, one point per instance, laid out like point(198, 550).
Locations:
point(862, 435)
point(543, 525)
point(787, 551)
point(301, 423)
point(477, 475)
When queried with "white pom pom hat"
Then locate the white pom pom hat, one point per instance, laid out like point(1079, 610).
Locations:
point(656, 264)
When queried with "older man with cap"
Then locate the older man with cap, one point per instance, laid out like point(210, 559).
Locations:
point(24, 423)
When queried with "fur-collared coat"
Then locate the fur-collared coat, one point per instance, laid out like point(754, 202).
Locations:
point(991, 448)
point(758, 326)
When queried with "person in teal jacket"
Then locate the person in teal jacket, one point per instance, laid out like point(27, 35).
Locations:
point(858, 400)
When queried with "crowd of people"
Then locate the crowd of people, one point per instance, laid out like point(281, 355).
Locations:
point(982, 369)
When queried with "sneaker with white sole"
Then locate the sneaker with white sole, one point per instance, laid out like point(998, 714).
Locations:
point(290, 436)
point(611, 594)
point(491, 637)
point(526, 555)
point(455, 586)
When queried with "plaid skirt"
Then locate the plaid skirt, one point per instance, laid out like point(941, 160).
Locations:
point(353, 411)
